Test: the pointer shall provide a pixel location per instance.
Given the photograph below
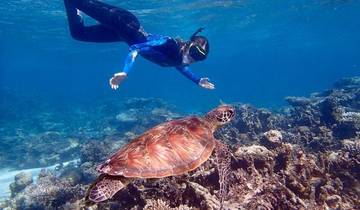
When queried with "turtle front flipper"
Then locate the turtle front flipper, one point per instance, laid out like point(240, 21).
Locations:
point(223, 158)
point(105, 187)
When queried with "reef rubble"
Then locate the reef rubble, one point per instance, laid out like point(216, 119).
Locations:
point(304, 156)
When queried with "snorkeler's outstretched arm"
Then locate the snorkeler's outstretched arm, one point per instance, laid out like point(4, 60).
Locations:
point(203, 82)
point(130, 59)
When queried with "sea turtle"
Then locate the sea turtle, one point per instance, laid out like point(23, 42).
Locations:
point(169, 149)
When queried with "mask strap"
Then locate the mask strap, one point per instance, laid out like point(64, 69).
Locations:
point(200, 50)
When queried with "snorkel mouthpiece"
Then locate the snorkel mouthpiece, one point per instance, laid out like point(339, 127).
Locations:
point(200, 50)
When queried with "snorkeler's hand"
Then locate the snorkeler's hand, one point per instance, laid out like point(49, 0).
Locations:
point(117, 79)
point(204, 82)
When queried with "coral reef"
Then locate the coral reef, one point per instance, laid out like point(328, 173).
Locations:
point(141, 114)
point(305, 156)
point(317, 123)
point(282, 177)
point(22, 180)
point(48, 192)
point(48, 137)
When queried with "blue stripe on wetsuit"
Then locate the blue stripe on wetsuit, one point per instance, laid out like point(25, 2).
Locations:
point(142, 47)
point(155, 40)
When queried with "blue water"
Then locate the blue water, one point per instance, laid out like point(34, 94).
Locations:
point(261, 51)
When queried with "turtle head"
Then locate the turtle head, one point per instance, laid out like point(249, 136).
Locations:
point(220, 116)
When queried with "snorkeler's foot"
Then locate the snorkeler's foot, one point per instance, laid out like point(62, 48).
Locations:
point(117, 79)
point(205, 83)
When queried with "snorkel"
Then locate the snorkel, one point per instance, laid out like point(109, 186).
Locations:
point(196, 32)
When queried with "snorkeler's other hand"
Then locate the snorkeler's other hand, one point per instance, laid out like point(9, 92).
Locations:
point(204, 82)
point(117, 79)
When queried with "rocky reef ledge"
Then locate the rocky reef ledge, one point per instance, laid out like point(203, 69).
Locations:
point(305, 156)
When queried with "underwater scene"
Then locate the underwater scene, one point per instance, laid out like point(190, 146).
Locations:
point(159, 105)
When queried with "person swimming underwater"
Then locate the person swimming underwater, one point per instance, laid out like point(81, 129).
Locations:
point(117, 24)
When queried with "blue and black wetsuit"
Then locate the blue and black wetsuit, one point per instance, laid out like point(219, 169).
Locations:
point(117, 24)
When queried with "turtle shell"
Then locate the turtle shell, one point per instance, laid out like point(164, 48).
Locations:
point(168, 149)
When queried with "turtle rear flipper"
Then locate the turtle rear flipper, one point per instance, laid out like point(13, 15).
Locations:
point(223, 158)
point(105, 187)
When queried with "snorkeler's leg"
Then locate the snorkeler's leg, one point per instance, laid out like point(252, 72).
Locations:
point(95, 33)
point(120, 20)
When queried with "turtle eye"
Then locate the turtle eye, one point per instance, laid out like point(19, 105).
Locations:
point(230, 113)
point(225, 116)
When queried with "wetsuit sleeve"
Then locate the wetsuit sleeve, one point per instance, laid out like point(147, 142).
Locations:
point(186, 71)
point(142, 47)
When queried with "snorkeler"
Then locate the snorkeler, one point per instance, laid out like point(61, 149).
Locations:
point(117, 24)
